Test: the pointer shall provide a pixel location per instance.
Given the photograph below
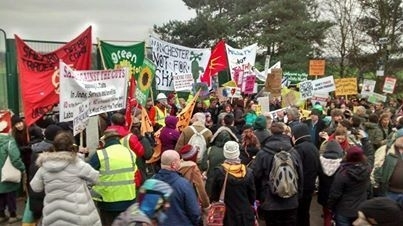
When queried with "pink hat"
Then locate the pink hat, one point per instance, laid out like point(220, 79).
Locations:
point(188, 152)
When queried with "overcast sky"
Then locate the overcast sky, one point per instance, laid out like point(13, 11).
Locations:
point(57, 20)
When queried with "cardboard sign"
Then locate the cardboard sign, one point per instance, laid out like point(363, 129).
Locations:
point(346, 86)
point(273, 82)
point(368, 87)
point(389, 85)
point(317, 67)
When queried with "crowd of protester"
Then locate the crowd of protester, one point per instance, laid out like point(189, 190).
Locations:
point(347, 153)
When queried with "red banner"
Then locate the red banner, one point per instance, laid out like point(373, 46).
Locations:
point(39, 73)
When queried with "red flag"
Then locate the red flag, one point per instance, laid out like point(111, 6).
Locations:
point(5, 121)
point(39, 73)
point(130, 102)
point(217, 62)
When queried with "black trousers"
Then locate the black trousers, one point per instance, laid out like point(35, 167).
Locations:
point(304, 206)
point(281, 217)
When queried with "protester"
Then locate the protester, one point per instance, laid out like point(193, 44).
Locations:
point(169, 134)
point(379, 211)
point(64, 178)
point(250, 145)
point(8, 190)
point(240, 193)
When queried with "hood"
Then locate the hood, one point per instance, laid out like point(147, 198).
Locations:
point(370, 125)
point(171, 122)
point(223, 135)
point(278, 142)
point(167, 176)
point(357, 171)
point(187, 167)
point(305, 138)
point(56, 161)
point(260, 123)
point(236, 170)
point(333, 150)
point(42, 146)
point(4, 138)
point(122, 131)
point(329, 166)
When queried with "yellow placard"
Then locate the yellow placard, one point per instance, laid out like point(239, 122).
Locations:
point(346, 86)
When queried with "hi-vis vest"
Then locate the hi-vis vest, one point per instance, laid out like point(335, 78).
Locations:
point(160, 116)
point(116, 180)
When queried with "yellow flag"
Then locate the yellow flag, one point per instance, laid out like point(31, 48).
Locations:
point(229, 84)
point(186, 114)
point(146, 125)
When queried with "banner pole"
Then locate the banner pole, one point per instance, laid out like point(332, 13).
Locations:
point(102, 55)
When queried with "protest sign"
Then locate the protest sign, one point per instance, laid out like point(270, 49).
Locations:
point(376, 98)
point(306, 89)
point(320, 97)
point(368, 87)
point(317, 67)
point(248, 85)
point(81, 117)
point(106, 90)
point(323, 85)
point(346, 86)
point(294, 77)
point(389, 85)
point(240, 60)
point(183, 82)
point(273, 82)
point(264, 103)
point(172, 59)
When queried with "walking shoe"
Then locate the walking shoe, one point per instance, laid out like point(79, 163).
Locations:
point(13, 220)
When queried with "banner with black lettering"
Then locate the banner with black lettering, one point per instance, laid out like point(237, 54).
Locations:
point(105, 90)
point(241, 60)
point(172, 59)
point(39, 73)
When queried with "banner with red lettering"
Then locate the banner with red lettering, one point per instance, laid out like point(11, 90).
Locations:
point(39, 73)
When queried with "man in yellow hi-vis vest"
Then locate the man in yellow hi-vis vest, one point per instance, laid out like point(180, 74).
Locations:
point(116, 189)
point(161, 110)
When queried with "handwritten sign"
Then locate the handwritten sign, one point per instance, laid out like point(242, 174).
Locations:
point(248, 84)
point(81, 117)
point(346, 86)
point(106, 90)
point(264, 103)
point(183, 82)
point(389, 85)
point(317, 67)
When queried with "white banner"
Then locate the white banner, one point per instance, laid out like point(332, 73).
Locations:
point(262, 76)
point(368, 87)
point(240, 60)
point(183, 82)
point(174, 59)
point(81, 117)
point(105, 90)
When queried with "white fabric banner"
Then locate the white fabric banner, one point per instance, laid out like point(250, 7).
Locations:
point(240, 60)
point(105, 90)
point(174, 59)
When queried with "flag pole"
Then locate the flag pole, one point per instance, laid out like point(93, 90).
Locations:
point(102, 55)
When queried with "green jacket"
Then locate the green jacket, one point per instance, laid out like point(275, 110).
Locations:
point(8, 147)
point(375, 134)
point(383, 170)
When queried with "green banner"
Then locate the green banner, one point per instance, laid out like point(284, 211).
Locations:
point(114, 56)
point(144, 81)
point(295, 77)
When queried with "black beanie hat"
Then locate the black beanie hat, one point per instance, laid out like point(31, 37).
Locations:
point(35, 133)
point(333, 150)
point(51, 131)
point(383, 210)
point(300, 130)
point(15, 119)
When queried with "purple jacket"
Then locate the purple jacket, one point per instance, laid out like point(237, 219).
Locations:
point(169, 134)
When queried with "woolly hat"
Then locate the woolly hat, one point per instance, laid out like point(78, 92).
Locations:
point(354, 154)
point(383, 210)
point(316, 112)
point(231, 150)
point(333, 150)
point(300, 130)
point(260, 122)
point(188, 152)
point(15, 119)
point(51, 131)
point(247, 126)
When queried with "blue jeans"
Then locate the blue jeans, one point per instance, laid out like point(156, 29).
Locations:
point(344, 221)
point(397, 197)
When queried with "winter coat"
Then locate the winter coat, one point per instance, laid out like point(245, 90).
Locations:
point(327, 171)
point(261, 170)
point(250, 117)
point(64, 177)
point(15, 158)
point(349, 188)
point(319, 126)
point(309, 155)
point(169, 134)
point(385, 163)
point(261, 131)
point(184, 207)
point(375, 134)
point(36, 198)
point(214, 156)
point(191, 172)
point(240, 193)
point(187, 133)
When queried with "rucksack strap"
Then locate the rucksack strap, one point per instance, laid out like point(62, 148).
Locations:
point(196, 132)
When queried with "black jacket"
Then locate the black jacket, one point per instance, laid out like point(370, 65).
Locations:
point(261, 169)
point(349, 188)
point(320, 126)
point(310, 161)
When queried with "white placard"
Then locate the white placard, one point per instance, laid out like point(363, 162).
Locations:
point(321, 98)
point(105, 90)
point(368, 87)
point(81, 117)
point(240, 60)
point(183, 82)
point(323, 85)
point(264, 103)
